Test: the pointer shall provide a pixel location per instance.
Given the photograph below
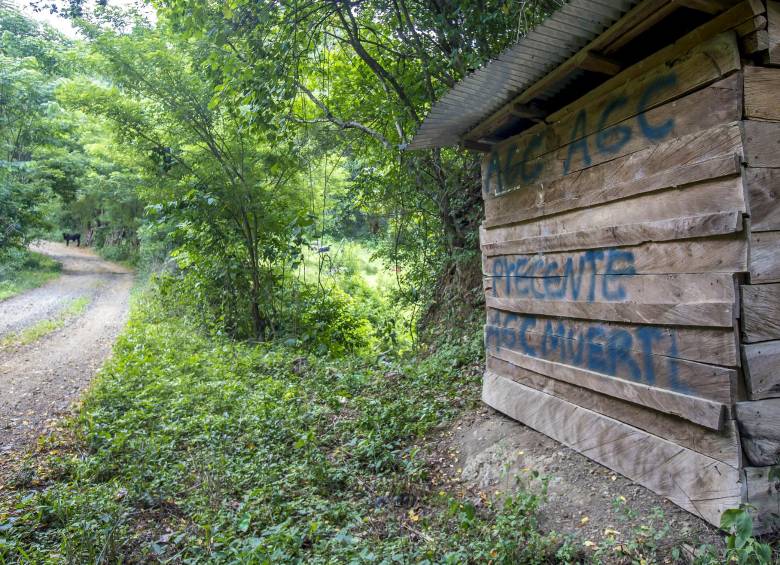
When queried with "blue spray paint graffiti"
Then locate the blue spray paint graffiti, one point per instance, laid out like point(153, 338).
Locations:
point(544, 278)
point(630, 353)
point(504, 172)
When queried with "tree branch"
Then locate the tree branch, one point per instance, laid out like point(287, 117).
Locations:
point(351, 124)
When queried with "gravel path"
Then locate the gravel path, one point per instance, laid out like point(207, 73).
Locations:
point(38, 382)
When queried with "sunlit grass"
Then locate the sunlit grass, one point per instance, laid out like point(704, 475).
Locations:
point(36, 271)
point(75, 308)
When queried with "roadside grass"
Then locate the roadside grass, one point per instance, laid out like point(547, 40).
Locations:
point(196, 449)
point(75, 308)
point(25, 272)
point(200, 449)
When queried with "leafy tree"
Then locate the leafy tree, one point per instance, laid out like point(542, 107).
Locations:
point(229, 192)
point(369, 70)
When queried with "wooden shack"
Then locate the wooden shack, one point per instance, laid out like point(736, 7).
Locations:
point(631, 240)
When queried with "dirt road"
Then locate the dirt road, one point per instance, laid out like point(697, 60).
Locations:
point(39, 381)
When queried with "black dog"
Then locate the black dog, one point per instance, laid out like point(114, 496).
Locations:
point(68, 237)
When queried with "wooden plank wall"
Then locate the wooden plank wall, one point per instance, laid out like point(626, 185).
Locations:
point(631, 261)
point(758, 415)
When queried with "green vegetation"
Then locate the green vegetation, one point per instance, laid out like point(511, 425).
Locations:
point(201, 449)
point(73, 309)
point(204, 449)
point(313, 315)
point(22, 270)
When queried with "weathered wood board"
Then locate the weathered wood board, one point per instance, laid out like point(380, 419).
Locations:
point(762, 93)
point(671, 229)
point(683, 160)
point(723, 446)
point(702, 485)
point(763, 189)
point(760, 312)
point(724, 195)
point(726, 254)
point(761, 143)
point(765, 257)
point(773, 29)
point(631, 357)
point(762, 369)
point(703, 412)
point(717, 346)
point(759, 424)
point(715, 105)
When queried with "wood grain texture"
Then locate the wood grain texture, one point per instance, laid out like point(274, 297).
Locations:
point(684, 160)
point(760, 312)
point(723, 446)
point(765, 257)
point(762, 492)
point(761, 143)
point(762, 93)
point(703, 65)
point(773, 28)
point(720, 254)
point(504, 169)
point(755, 42)
point(716, 346)
point(695, 288)
point(732, 18)
point(700, 484)
point(613, 357)
point(759, 424)
point(762, 369)
point(703, 412)
point(763, 189)
point(719, 195)
point(671, 313)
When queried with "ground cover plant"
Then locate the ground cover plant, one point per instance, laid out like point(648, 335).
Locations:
point(205, 450)
point(193, 448)
point(22, 270)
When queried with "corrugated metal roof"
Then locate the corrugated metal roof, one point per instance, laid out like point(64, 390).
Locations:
point(484, 91)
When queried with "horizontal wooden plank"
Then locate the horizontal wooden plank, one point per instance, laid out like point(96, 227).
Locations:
point(511, 167)
point(683, 160)
point(759, 424)
point(722, 254)
point(700, 484)
point(723, 446)
point(762, 493)
point(728, 20)
point(762, 369)
point(761, 143)
point(719, 195)
point(700, 411)
point(671, 313)
point(762, 85)
point(704, 64)
point(635, 356)
point(628, 234)
point(760, 312)
point(716, 346)
point(585, 285)
point(763, 189)
point(765, 257)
